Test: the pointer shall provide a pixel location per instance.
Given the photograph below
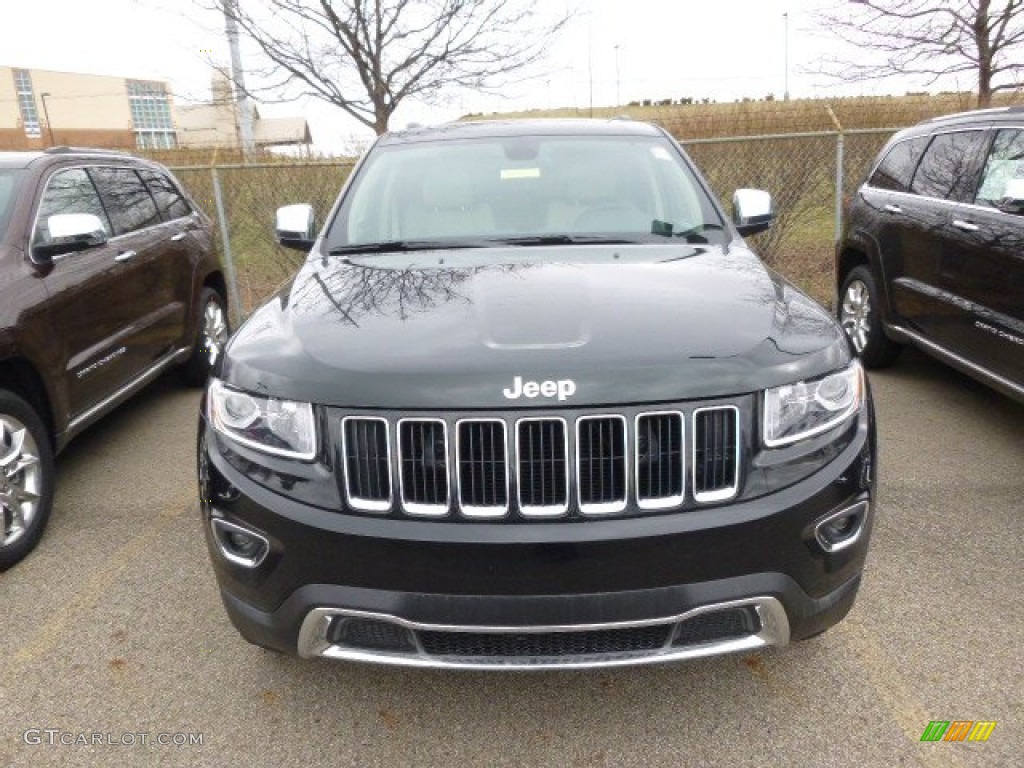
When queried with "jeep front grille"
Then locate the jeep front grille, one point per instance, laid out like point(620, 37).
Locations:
point(541, 466)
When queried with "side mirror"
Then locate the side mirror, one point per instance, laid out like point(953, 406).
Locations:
point(295, 227)
point(1012, 200)
point(752, 211)
point(70, 232)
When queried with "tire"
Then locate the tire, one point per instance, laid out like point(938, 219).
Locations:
point(858, 313)
point(212, 331)
point(27, 478)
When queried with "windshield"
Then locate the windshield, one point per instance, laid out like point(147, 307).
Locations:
point(8, 185)
point(525, 190)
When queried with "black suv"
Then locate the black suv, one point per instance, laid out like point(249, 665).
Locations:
point(107, 278)
point(933, 248)
point(532, 401)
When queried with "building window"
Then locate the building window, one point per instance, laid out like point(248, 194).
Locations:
point(151, 115)
point(27, 103)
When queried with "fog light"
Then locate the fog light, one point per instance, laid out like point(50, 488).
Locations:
point(239, 545)
point(842, 529)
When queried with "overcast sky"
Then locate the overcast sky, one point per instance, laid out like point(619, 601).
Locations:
point(720, 49)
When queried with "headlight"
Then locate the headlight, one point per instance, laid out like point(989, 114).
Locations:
point(808, 408)
point(280, 427)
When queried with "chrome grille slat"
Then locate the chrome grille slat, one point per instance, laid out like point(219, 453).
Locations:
point(423, 465)
point(601, 467)
point(716, 440)
point(542, 455)
point(660, 459)
point(482, 465)
point(367, 459)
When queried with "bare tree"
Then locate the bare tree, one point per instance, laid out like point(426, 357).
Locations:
point(368, 56)
point(931, 39)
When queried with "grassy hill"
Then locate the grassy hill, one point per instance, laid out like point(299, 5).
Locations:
point(756, 118)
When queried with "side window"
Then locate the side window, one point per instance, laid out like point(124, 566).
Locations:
point(68, 191)
point(126, 198)
point(897, 167)
point(1005, 164)
point(168, 198)
point(948, 168)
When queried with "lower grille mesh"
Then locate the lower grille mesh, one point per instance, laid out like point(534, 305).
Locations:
point(716, 626)
point(544, 644)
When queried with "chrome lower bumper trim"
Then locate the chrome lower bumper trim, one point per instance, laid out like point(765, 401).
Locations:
point(82, 420)
point(774, 631)
point(962, 364)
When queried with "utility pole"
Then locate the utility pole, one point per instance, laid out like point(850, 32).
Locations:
point(590, 62)
point(785, 20)
point(238, 78)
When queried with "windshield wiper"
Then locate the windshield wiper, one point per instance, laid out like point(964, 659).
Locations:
point(402, 246)
point(692, 235)
point(561, 239)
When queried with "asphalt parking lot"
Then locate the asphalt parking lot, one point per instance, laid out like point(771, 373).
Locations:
point(112, 631)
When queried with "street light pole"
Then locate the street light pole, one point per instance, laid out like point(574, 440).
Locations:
point(46, 114)
point(785, 19)
point(590, 62)
point(618, 96)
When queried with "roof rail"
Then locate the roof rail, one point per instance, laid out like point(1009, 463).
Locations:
point(974, 112)
point(65, 150)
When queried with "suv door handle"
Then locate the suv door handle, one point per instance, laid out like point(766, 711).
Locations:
point(177, 237)
point(892, 208)
point(966, 226)
point(125, 256)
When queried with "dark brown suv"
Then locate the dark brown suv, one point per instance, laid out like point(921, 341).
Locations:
point(932, 252)
point(107, 278)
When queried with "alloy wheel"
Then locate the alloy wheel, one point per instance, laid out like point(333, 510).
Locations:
point(215, 330)
point(855, 314)
point(21, 478)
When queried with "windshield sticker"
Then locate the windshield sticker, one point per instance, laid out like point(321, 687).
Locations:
point(520, 173)
point(661, 153)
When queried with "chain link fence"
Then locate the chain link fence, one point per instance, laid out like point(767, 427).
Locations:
point(808, 175)
point(242, 200)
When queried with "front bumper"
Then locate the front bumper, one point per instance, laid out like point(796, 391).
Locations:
point(599, 592)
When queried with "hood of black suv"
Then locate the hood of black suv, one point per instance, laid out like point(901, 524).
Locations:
point(528, 327)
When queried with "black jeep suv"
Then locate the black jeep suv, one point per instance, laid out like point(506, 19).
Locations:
point(107, 278)
point(933, 248)
point(532, 401)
